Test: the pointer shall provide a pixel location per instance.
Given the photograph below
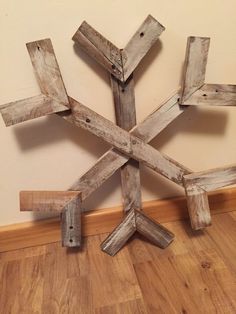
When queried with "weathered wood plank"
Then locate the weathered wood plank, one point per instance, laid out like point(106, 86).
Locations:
point(45, 200)
point(99, 48)
point(198, 206)
point(124, 101)
point(47, 70)
point(113, 160)
point(195, 65)
point(71, 223)
point(125, 142)
point(210, 96)
point(152, 230)
point(213, 179)
point(139, 44)
point(120, 235)
point(30, 108)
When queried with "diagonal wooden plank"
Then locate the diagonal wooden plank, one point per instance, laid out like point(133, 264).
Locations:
point(152, 230)
point(71, 223)
point(99, 48)
point(139, 44)
point(209, 95)
point(213, 179)
point(120, 235)
point(198, 205)
point(113, 160)
point(30, 108)
point(127, 143)
point(46, 200)
point(124, 101)
point(47, 70)
point(195, 65)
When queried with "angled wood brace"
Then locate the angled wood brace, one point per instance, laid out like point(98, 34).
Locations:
point(67, 203)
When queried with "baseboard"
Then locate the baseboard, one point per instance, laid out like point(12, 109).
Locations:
point(41, 232)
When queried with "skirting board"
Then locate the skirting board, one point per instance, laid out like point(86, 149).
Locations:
point(46, 231)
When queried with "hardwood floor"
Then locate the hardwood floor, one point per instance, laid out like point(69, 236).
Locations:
point(195, 274)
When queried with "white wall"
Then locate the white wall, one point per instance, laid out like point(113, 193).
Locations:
point(48, 153)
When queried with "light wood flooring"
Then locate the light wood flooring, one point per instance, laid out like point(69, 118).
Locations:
point(195, 274)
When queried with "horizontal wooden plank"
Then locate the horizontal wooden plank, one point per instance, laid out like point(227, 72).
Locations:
point(213, 179)
point(126, 143)
point(140, 43)
point(213, 96)
point(194, 66)
point(46, 200)
point(40, 232)
point(99, 48)
point(30, 108)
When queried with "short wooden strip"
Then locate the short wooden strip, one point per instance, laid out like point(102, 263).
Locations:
point(124, 101)
point(30, 108)
point(45, 200)
point(207, 96)
point(226, 88)
point(71, 223)
point(107, 55)
point(47, 70)
point(195, 65)
point(113, 160)
point(198, 206)
point(115, 241)
point(153, 231)
point(213, 179)
point(127, 143)
point(140, 43)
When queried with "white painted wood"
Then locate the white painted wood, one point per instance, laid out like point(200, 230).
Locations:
point(139, 44)
point(195, 65)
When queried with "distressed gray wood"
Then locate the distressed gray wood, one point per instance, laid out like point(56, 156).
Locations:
point(30, 108)
point(198, 206)
point(209, 96)
point(99, 48)
point(195, 65)
point(46, 200)
point(213, 179)
point(139, 44)
point(153, 231)
point(47, 70)
point(125, 142)
point(120, 235)
point(112, 160)
point(71, 223)
point(124, 101)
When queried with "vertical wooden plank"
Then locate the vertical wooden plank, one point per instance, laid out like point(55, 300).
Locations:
point(71, 223)
point(198, 206)
point(195, 65)
point(124, 101)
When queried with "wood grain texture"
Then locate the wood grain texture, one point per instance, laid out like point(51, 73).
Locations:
point(124, 101)
point(113, 160)
point(213, 95)
point(140, 44)
point(125, 142)
point(46, 200)
point(214, 178)
point(198, 206)
point(120, 235)
point(140, 279)
point(100, 221)
point(71, 223)
point(47, 70)
point(195, 65)
point(152, 230)
point(99, 48)
point(30, 108)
